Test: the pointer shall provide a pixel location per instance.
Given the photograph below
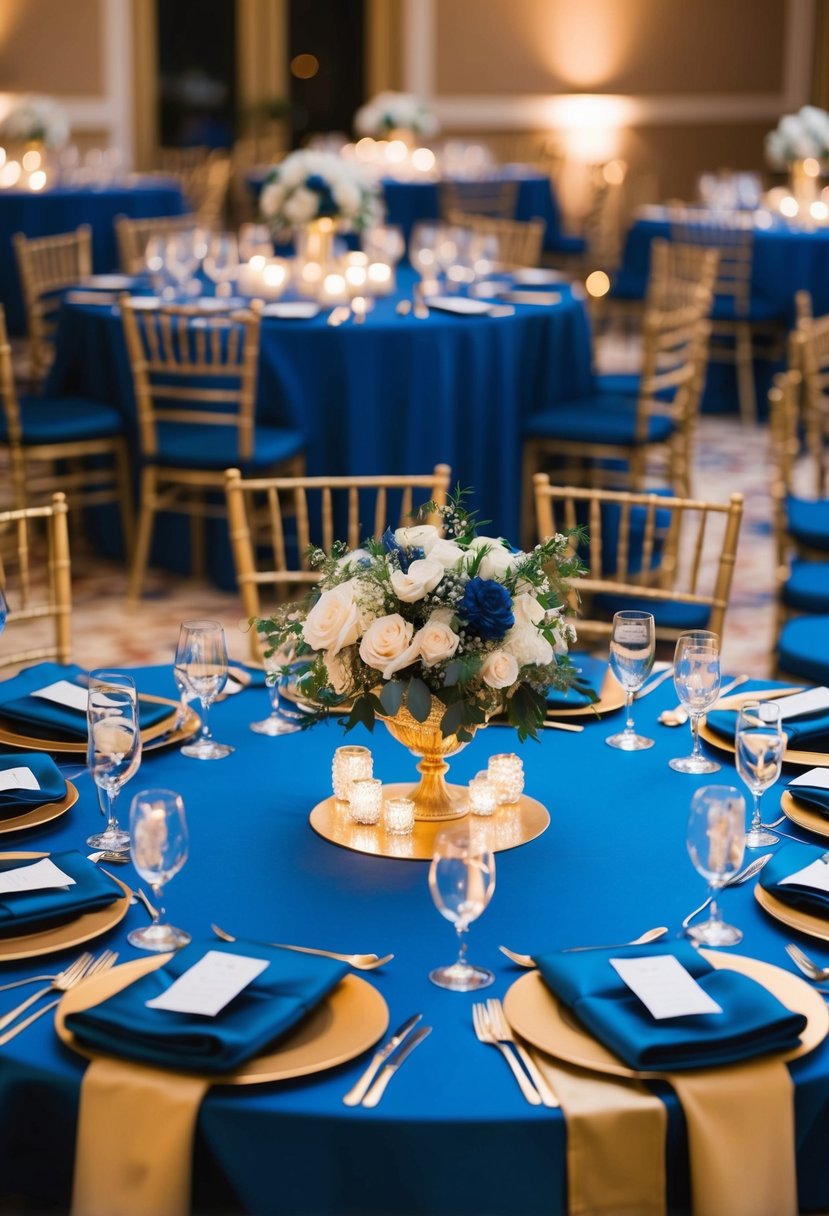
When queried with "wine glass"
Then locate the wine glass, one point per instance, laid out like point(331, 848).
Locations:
point(760, 743)
point(158, 848)
point(716, 840)
point(461, 880)
point(201, 662)
point(181, 259)
point(632, 648)
point(255, 241)
point(281, 720)
point(697, 683)
point(221, 261)
point(113, 748)
point(387, 241)
point(423, 244)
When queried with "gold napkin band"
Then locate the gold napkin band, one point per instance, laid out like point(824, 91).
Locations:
point(134, 1148)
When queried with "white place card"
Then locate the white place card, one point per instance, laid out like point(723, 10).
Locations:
point(210, 984)
point(817, 778)
point(814, 876)
point(809, 702)
point(664, 986)
point(64, 692)
point(44, 875)
point(232, 686)
point(18, 779)
point(459, 304)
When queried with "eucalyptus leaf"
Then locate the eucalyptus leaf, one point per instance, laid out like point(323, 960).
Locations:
point(418, 700)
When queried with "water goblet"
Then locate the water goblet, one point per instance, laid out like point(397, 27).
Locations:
point(282, 720)
point(221, 261)
point(158, 848)
point(760, 743)
point(181, 258)
point(632, 648)
point(113, 748)
point(201, 662)
point(716, 840)
point(255, 241)
point(697, 683)
point(461, 880)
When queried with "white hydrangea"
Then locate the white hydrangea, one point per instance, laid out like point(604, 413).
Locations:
point(395, 111)
point(36, 118)
point(797, 136)
point(289, 197)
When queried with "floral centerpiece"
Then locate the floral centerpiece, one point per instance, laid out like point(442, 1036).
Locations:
point(309, 186)
point(798, 136)
point(34, 119)
point(389, 112)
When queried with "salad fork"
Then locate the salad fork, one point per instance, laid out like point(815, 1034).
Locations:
point(63, 981)
point(807, 965)
point(503, 1032)
point(104, 963)
point(485, 1033)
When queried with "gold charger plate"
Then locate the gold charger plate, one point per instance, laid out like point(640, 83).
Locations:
point(795, 918)
point(535, 1014)
point(510, 826)
point(62, 937)
point(348, 1022)
point(44, 813)
point(803, 815)
point(160, 732)
point(611, 696)
point(790, 756)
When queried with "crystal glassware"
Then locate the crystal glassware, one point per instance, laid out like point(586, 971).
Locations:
point(507, 771)
point(697, 683)
point(113, 748)
point(221, 261)
point(284, 719)
point(350, 763)
point(632, 648)
point(461, 880)
point(484, 795)
point(716, 840)
point(398, 816)
point(760, 742)
point(158, 847)
point(201, 662)
point(255, 241)
point(366, 800)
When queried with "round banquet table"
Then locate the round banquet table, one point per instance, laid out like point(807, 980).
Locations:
point(452, 1134)
point(393, 395)
point(63, 209)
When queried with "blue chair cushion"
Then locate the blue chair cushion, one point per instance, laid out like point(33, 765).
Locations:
point(216, 447)
point(64, 420)
point(670, 614)
point(803, 648)
point(599, 418)
point(562, 243)
point(619, 384)
point(807, 587)
point(758, 311)
point(808, 521)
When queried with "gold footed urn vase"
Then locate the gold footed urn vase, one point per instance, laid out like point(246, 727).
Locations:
point(433, 798)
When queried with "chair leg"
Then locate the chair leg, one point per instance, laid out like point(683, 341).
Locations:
point(146, 519)
point(530, 463)
point(124, 478)
point(744, 354)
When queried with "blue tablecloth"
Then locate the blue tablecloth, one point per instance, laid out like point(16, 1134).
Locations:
point(452, 1136)
point(62, 210)
point(394, 395)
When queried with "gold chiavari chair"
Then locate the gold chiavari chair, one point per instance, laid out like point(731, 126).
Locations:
point(271, 524)
point(47, 266)
point(133, 236)
point(492, 197)
point(670, 556)
point(38, 592)
point(195, 386)
point(519, 241)
point(677, 266)
point(186, 164)
point(809, 353)
point(210, 190)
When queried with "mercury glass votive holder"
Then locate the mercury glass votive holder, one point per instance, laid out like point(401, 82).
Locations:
point(398, 816)
point(483, 795)
point(366, 799)
point(349, 764)
point(507, 771)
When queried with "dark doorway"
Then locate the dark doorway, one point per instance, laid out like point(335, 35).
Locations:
point(197, 72)
point(325, 53)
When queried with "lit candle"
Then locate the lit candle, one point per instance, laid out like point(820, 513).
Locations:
point(398, 816)
point(507, 771)
point(483, 795)
point(334, 289)
point(380, 278)
point(366, 800)
point(349, 764)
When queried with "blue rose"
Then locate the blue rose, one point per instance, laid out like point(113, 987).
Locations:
point(486, 608)
point(326, 204)
point(396, 551)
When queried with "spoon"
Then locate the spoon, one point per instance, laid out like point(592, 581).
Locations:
point(524, 960)
point(747, 872)
point(360, 962)
point(679, 715)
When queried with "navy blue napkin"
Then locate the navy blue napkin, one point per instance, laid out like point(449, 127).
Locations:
point(813, 795)
point(592, 672)
point(26, 911)
point(752, 1023)
point(809, 732)
point(54, 721)
point(290, 987)
point(788, 860)
point(51, 780)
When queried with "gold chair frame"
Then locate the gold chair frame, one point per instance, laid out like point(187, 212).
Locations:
point(133, 236)
point(47, 266)
point(26, 600)
point(519, 241)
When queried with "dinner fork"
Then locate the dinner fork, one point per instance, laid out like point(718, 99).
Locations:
point(503, 1032)
point(62, 981)
point(806, 965)
point(485, 1034)
point(104, 963)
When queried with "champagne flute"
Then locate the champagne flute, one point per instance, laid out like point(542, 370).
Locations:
point(461, 880)
point(716, 840)
point(201, 662)
point(113, 748)
point(632, 648)
point(158, 848)
point(697, 683)
point(760, 743)
point(255, 241)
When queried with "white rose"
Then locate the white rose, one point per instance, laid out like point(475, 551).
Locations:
point(527, 645)
point(527, 610)
point(421, 578)
point(353, 558)
point(498, 560)
point(500, 669)
point(387, 645)
point(301, 206)
point(332, 622)
point(436, 641)
point(347, 197)
point(449, 554)
point(421, 536)
point(271, 198)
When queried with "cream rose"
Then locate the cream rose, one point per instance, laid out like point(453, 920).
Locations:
point(527, 645)
point(527, 610)
point(420, 536)
point(500, 669)
point(447, 553)
point(497, 561)
point(333, 621)
point(422, 577)
point(436, 641)
point(387, 645)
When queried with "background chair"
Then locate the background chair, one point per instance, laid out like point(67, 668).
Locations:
point(274, 520)
point(195, 387)
point(491, 197)
point(519, 241)
point(133, 236)
point(635, 560)
point(35, 577)
point(47, 266)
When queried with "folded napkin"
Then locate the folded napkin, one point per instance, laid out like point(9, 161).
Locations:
point(786, 861)
point(18, 706)
point(49, 778)
point(809, 731)
point(291, 986)
point(816, 796)
point(752, 1022)
point(27, 911)
point(591, 672)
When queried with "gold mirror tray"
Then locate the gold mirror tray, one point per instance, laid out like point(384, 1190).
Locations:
point(36, 815)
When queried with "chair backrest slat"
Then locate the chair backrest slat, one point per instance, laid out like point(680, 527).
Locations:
point(36, 584)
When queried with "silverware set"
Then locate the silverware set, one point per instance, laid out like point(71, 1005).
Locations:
point(493, 1029)
point(83, 968)
point(371, 1085)
point(650, 935)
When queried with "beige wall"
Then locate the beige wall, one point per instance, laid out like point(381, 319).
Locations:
point(52, 46)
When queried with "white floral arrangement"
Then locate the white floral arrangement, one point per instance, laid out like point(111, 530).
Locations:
point(387, 112)
point(311, 185)
point(432, 611)
point(35, 118)
point(797, 136)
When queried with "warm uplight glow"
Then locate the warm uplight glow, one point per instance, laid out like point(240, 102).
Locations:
point(37, 180)
point(396, 152)
point(587, 43)
point(811, 167)
point(590, 124)
point(819, 211)
point(788, 206)
point(304, 66)
point(31, 160)
point(597, 283)
point(614, 172)
point(423, 160)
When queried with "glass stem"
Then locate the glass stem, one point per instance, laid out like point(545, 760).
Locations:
point(696, 750)
point(461, 960)
point(161, 911)
point(108, 807)
point(629, 712)
point(205, 736)
point(714, 913)
point(755, 814)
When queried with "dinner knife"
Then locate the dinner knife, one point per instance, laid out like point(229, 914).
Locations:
point(355, 1095)
point(376, 1092)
